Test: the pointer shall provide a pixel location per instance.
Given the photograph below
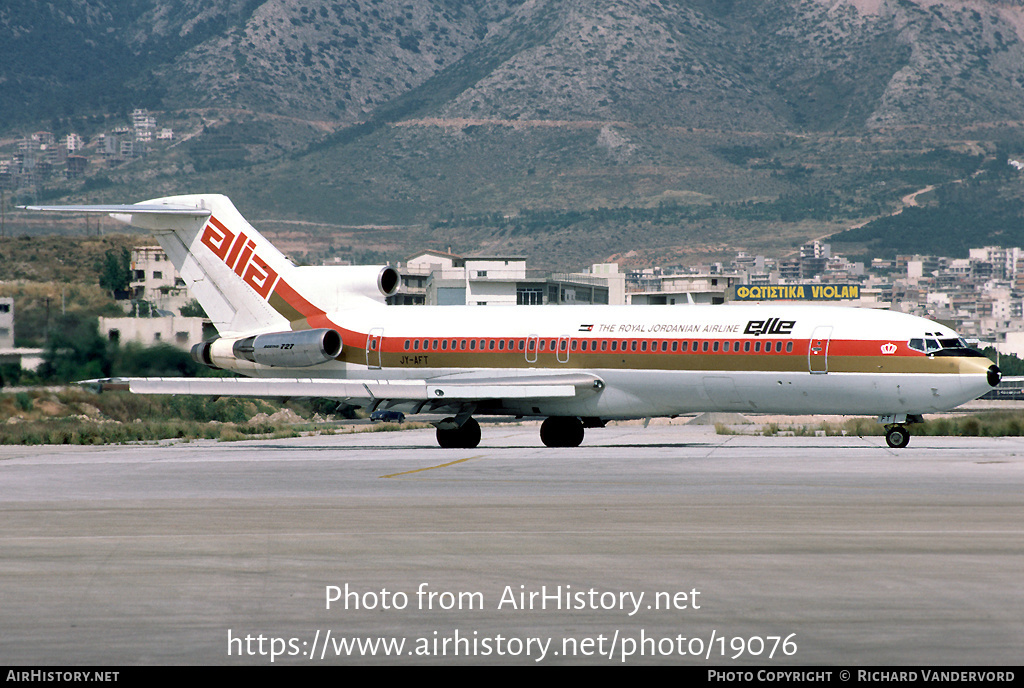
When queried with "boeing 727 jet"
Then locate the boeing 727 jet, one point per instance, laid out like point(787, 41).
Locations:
point(326, 332)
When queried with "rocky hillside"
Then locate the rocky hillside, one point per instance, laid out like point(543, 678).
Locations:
point(443, 118)
point(769, 64)
point(763, 65)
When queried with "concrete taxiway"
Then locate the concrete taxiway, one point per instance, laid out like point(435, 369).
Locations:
point(639, 546)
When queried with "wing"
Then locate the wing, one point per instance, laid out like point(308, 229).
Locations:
point(454, 389)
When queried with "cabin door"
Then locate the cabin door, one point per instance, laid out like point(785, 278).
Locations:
point(563, 349)
point(373, 344)
point(531, 348)
point(817, 351)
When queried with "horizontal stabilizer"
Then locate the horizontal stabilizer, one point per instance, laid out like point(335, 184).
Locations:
point(140, 209)
point(226, 264)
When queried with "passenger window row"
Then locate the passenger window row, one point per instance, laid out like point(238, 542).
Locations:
point(601, 345)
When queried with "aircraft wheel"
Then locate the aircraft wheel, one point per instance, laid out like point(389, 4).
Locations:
point(897, 437)
point(561, 431)
point(470, 434)
point(446, 439)
point(465, 437)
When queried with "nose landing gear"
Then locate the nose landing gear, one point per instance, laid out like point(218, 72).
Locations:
point(897, 436)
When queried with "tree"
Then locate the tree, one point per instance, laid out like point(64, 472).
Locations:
point(116, 273)
point(162, 360)
point(1008, 363)
point(75, 351)
point(192, 309)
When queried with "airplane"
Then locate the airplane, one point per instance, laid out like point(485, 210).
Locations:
point(310, 331)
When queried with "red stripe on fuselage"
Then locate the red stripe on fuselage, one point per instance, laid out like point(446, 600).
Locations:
point(836, 347)
point(296, 300)
point(314, 316)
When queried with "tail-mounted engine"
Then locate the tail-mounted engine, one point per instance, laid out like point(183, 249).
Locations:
point(335, 286)
point(281, 349)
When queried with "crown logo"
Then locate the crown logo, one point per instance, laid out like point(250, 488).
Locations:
point(889, 348)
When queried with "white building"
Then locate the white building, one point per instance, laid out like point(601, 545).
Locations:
point(27, 359)
point(175, 330)
point(6, 322)
point(445, 279)
point(73, 143)
point(492, 280)
point(155, 280)
point(1004, 261)
point(711, 288)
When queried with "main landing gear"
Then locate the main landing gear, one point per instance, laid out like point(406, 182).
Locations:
point(465, 436)
point(897, 436)
point(556, 431)
point(561, 431)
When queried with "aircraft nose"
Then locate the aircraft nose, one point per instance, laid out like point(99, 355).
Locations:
point(994, 375)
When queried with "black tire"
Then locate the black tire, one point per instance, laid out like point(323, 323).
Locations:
point(469, 434)
point(561, 431)
point(465, 437)
point(447, 439)
point(897, 437)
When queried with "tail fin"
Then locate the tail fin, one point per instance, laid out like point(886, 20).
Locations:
point(226, 264)
point(242, 282)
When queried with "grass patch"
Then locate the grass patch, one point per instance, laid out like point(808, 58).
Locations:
point(77, 416)
point(986, 424)
point(79, 431)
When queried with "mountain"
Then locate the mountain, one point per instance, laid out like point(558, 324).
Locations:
point(520, 125)
point(771, 64)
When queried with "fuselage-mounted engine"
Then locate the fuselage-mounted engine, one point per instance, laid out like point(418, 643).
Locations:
point(299, 349)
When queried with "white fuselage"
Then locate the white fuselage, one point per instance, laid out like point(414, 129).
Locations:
point(818, 359)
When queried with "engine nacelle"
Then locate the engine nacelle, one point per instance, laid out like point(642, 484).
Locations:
point(290, 349)
point(282, 349)
point(335, 286)
point(201, 354)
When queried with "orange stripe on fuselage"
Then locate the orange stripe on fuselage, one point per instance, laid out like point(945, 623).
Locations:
point(295, 304)
point(296, 300)
point(303, 314)
point(836, 347)
point(510, 352)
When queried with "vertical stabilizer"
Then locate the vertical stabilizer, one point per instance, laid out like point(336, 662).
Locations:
point(245, 284)
point(226, 264)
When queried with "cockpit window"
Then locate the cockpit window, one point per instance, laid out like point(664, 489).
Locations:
point(942, 346)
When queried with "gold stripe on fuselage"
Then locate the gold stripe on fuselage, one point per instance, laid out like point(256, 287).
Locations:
point(781, 363)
